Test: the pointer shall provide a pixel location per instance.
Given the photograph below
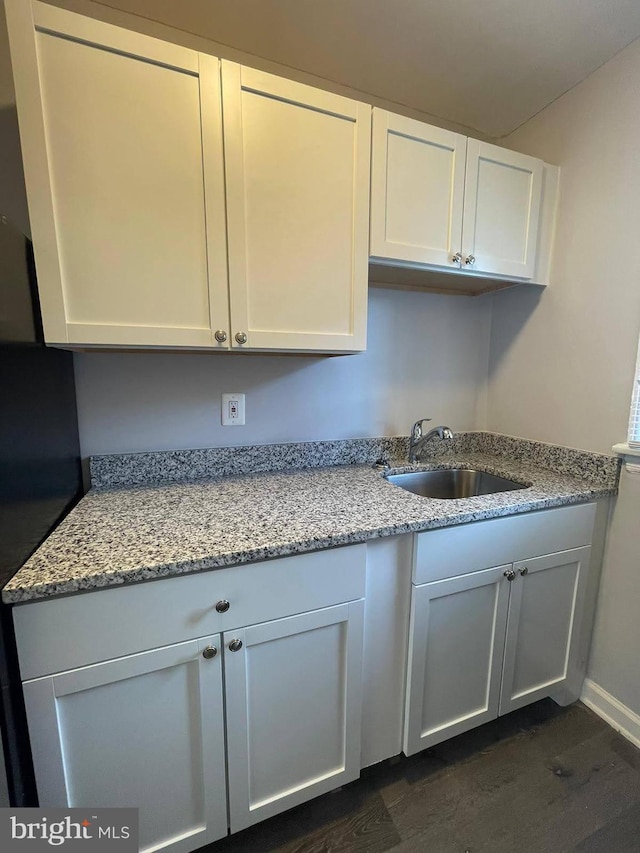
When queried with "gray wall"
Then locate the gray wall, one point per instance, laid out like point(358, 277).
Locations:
point(427, 356)
point(562, 362)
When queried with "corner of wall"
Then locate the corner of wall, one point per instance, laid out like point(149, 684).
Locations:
point(612, 711)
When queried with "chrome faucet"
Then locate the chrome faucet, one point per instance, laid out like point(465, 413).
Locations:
point(418, 439)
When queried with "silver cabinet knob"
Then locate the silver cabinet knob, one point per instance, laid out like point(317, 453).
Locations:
point(220, 335)
point(241, 337)
point(223, 605)
point(209, 652)
point(457, 258)
point(510, 575)
point(470, 260)
point(235, 645)
point(524, 571)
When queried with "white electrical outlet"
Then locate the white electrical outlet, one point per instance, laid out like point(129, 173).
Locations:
point(233, 409)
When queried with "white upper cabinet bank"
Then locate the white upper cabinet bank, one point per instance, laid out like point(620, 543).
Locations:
point(442, 201)
point(156, 224)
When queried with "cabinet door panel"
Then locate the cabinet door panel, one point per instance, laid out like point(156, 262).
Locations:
point(417, 187)
point(455, 656)
point(293, 697)
point(546, 604)
point(143, 731)
point(124, 118)
point(503, 191)
point(297, 169)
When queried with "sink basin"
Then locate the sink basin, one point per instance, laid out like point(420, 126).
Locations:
point(453, 483)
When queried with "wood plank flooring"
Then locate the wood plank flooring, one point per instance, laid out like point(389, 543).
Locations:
point(541, 780)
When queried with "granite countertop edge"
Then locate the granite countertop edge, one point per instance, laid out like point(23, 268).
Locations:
point(111, 538)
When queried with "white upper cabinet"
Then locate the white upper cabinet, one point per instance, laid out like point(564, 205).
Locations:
point(503, 191)
point(297, 172)
point(417, 190)
point(123, 150)
point(127, 223)
point(445, 202)
point(180, 202)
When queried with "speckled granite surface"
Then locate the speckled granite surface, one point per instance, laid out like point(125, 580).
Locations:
point(122, 535)
point(595, 467)
point(133, 469)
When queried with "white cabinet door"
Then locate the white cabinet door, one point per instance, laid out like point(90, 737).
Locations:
point(547, 598)
point(144, 731)
point(417, 189)
point(293, 710)
point(297, 172)
point(128, 220)
point(456, 644)
point(503, 190)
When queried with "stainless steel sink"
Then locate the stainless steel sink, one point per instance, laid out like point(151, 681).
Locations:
point(453, 483)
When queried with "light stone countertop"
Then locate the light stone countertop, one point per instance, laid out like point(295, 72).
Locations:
point(134, 533)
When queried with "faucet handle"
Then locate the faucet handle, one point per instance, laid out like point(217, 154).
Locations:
point(416, 429)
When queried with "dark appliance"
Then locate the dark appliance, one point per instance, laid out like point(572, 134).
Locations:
point(40, 472)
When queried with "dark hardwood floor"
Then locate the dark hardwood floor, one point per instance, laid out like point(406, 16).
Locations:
point(542, 780)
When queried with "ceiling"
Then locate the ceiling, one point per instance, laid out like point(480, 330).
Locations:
point(487, 65)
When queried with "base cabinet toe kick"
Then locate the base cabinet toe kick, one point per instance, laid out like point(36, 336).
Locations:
point(215, 700)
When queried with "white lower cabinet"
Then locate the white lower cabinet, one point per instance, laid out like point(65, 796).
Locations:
point(243, 692)
point(455, 656)
point(212, 733)
point(547, 599)
point(293, 701)
point(143, 731)
point(490, 641)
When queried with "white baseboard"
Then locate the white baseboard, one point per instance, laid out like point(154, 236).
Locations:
point(612, 711)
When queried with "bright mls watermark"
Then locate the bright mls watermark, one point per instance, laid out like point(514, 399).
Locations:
point(102, 830)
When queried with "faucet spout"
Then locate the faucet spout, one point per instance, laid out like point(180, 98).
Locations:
point(418, 438)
